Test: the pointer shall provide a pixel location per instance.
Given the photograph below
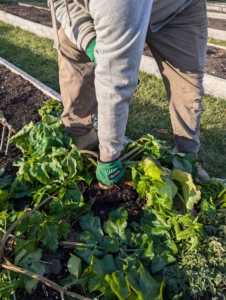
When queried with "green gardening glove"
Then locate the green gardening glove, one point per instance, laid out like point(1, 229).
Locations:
point(90, 51)
point(110, 172)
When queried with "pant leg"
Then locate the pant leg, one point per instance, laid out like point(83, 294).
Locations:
point(76, 77)
point(180, 52)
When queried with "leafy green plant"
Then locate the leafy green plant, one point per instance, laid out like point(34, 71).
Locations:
point(176, 251)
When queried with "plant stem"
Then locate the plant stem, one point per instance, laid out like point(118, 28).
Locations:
point(14, 296)
point(89, 152)
point(7, 265)
point(6, 235)
point(80, 244)
point(129, 153)
point(11, 235)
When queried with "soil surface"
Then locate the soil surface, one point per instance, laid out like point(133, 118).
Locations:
point(215, 57)
point(20, 102)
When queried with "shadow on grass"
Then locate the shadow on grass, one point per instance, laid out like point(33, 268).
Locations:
point(30, 53)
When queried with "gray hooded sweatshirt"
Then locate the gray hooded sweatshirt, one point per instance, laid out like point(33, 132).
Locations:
point(120, 29)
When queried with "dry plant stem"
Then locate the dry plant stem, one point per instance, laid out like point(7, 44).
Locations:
point(129, 153)
point(5, 125)
point(7, 265)
point(6, 235)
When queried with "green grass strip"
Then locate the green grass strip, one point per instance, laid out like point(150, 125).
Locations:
point(217, 42)
point(32, 54)
point(149, 110)
point(39, 4)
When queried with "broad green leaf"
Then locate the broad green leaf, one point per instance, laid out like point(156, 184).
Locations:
point(118, 284)
point(31, 283)
point(38, 171)
point(22, 225)
point(191, 194)
point(42, 193)
point(5, 181)
point(159, 261)
point(22, 134)
point(86, 254)
point(152, 170)
point(19, 256)
point(31, 262)
point(73, 161)
point(19, 189)
point(149, 286)
point(49, 236)
point(75, 266)
point(34, 224)
point(142, 188)
point(92, 224)
point(56, 209)
point(117, 224)
point(52, 166)
point(171, 246)
point(182, 164)
point(145, 286)
point(30, 257)
point(64, 229)
point(97, 278)
point(110, 244)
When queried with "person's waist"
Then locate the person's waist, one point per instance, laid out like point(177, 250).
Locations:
point(164, 11)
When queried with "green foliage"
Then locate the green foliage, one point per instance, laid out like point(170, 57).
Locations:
point(175, 252)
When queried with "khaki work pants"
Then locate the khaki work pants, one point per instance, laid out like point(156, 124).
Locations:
point(179, 48)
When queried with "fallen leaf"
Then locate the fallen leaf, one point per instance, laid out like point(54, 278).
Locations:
point(162, 131)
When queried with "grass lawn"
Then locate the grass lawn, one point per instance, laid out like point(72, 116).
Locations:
point(217, 42)
point(39, 4)
point(149, 109)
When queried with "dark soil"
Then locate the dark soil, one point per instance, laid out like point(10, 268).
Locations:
point(20, 102)
point(219, 24)
point(215, 57)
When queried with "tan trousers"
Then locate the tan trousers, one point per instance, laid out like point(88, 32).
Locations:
point(179, 48)
point(76, 77)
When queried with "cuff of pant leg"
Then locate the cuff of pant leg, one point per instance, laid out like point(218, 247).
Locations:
point(106, 157)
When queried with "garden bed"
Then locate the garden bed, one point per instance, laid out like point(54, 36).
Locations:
point(20, 102)
point(107, 205)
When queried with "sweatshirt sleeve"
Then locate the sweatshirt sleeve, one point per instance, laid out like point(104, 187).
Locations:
point(81, 32)
point(121, 28)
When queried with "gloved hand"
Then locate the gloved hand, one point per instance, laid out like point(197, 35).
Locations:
point(90, 51)
point(110, 172)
